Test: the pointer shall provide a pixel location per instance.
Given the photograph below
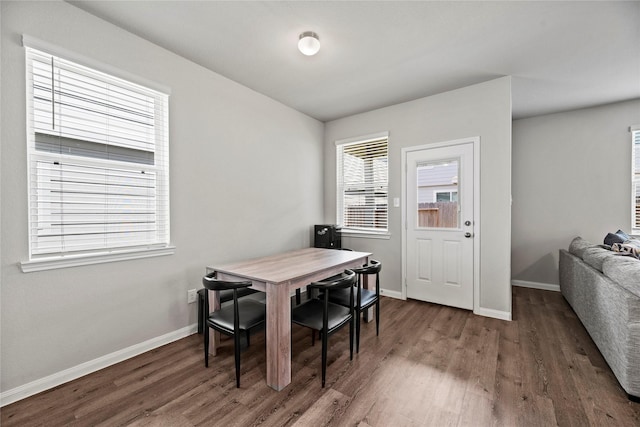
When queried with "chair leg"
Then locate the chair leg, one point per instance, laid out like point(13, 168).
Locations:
point(351, 337)
point(298, 296)
point(206, 347)
point(248, 338)
point(358, 315)
point(324, 357)
point(236, 345)
point(378, 317)
point(204, 318)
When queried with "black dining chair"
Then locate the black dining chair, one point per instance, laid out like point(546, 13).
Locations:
point(365, 298)
point(325, 317)
point(225, 296)
point(241, 316)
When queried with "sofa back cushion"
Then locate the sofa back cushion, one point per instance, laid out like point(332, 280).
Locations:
point(625, 271)
point(578, 246)
point(595, 256)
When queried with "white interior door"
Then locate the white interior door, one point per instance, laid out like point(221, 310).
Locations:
point(439, 258)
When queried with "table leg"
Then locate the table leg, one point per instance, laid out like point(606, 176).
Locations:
point(278, 336)
point(214, 336)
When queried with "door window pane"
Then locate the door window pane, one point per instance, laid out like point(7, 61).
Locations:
point(437, 184)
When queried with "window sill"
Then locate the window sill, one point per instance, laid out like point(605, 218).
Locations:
point(366, 235)
point(79, 260)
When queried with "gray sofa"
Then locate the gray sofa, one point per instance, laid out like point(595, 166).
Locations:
point(603, 288)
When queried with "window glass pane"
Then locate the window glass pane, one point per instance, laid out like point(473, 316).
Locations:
point(98, 160)
point(437, 184)
point(443, 196)
point(363, 185)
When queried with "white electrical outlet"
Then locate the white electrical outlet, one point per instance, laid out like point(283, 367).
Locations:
point(191, 296)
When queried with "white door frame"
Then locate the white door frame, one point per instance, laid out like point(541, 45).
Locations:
point(476, 211)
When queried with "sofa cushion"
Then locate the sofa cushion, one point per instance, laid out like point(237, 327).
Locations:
point(625, 271)
point(595, 256)
point(612, 238)
point(578, 245)
point(622, 234)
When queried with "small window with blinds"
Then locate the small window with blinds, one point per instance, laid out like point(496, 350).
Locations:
point(98, 161)
point(363, 180)
point(635, 180)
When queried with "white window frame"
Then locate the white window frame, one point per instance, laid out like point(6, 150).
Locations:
point(156, 170)
point(635, 179)
point(354, 231)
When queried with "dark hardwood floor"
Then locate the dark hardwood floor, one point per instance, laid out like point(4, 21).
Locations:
point(430, 366)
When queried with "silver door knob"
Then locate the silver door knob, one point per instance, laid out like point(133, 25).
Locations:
point(467, 235)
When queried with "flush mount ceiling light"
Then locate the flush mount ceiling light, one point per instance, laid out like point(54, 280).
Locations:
point(309, 43)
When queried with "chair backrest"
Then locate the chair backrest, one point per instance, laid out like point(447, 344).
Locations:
point(212, 284)
point(373, 268)
point(348, 278)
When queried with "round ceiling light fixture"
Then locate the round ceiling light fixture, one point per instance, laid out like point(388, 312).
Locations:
point(309, 43)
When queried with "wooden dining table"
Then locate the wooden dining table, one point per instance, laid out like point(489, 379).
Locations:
point(278, 275)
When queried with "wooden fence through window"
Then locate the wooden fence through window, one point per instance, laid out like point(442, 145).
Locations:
point(438, 215)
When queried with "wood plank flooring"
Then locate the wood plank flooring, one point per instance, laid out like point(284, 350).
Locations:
point(430, 366)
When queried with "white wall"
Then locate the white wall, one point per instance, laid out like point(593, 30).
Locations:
point(232, 197)
point(482, 110)
point(571, 177)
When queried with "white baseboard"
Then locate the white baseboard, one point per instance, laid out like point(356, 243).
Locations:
point(391, 294)
point(94, 365)
point(496, 314)
point(536, 285)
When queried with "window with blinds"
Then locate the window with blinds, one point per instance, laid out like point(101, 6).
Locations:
point(98, 161)
point(363, 180)
point(635, 183)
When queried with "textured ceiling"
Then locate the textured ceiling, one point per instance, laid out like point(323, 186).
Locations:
point(562, 55)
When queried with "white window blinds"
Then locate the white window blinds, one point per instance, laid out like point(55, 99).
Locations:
point(362, 169)
point(635, 196)
point(98, 160)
